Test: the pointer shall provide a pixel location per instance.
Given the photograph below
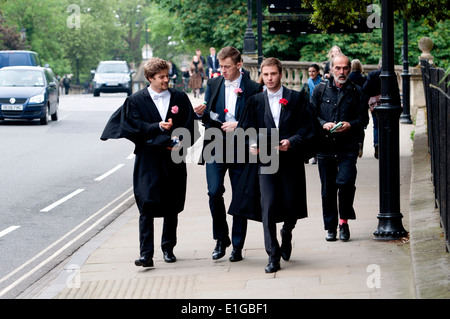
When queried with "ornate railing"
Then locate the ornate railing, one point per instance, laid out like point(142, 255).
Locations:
point(296, 74)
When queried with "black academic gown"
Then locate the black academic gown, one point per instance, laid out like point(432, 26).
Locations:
point(159, 183)
point(297, 124)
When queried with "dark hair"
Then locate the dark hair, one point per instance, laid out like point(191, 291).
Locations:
point(230, 52)
point(315, 66)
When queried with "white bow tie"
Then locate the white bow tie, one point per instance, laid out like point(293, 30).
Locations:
point(274, 95)
point(229, 83)
point(159, 95)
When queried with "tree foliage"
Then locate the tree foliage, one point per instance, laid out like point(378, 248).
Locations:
point(118, 29)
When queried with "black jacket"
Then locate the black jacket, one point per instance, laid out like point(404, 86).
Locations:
point(159, 182)
point(332, 104)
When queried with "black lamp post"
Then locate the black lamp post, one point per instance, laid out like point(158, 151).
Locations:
point(260, 18)
point(249, 36)
point(405, 118)
point(389, 219)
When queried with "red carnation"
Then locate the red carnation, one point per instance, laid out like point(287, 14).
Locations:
point(283, 102)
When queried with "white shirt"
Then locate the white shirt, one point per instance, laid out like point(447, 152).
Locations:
point(275, 106)
point(230, 96)
point(161, 100)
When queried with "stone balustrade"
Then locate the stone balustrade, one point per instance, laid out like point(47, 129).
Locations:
point(295, 74)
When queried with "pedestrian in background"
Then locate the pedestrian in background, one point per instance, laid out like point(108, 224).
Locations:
point(333, 52)
point(357, 76)
point(372, 89)
point(196, 75)
point(307, 89)
point(185, 77)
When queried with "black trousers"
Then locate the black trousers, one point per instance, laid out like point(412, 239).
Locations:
point(270, 185)
point(146, 233)
point(338, 177)
point(215, 176)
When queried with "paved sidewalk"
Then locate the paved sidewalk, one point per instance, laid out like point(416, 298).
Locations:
point(361, 268)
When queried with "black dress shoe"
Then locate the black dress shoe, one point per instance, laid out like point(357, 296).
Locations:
point(144, 262)
point(169, 257)
point(273, 266)
point(344, 232)
point(331, 235)
point(236, 254)
point(219, 250)
point(286, 245)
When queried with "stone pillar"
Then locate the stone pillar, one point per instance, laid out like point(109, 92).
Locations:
point(417, 94)
point(425, 45)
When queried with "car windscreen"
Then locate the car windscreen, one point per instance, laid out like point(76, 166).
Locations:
point(21, 78)
point(12, 59)
point(112, 68)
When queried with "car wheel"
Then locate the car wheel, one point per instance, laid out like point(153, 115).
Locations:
point(96, 93)
point(55, 116)
point(44, 119)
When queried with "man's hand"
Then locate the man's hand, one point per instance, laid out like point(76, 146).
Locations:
point(254, 150)
point(199, 109)
point(344, 128)
point(284, 145)
point(229, 126)
point(166, 125)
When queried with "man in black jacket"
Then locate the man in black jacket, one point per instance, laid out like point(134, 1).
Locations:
point(283, 192)
point(150, 118)
point(226, 94)
point(342, 113)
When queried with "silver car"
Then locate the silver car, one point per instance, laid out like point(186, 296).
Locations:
point(112, 77)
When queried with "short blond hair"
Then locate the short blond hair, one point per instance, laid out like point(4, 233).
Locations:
point(153, 66)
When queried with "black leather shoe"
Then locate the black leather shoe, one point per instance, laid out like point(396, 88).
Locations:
point(273, 266)
point(236, 254)
point(331, 235)
point(344, 232)
point(169, 257)
point(144, 262)
point(219, 250)
point(286, 245)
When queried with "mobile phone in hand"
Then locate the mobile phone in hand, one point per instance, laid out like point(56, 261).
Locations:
point(338, 125)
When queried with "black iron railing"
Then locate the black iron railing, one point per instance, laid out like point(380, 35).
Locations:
point(437, 97)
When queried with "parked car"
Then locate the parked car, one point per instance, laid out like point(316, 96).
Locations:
point(112, 77)
point(16, 58)
point(28, 92)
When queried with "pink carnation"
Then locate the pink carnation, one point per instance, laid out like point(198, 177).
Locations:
point(174, 109)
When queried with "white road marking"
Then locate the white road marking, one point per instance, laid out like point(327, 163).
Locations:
point(8, 230)
point(109, 172)
point(32, 260)
point(62, 200)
